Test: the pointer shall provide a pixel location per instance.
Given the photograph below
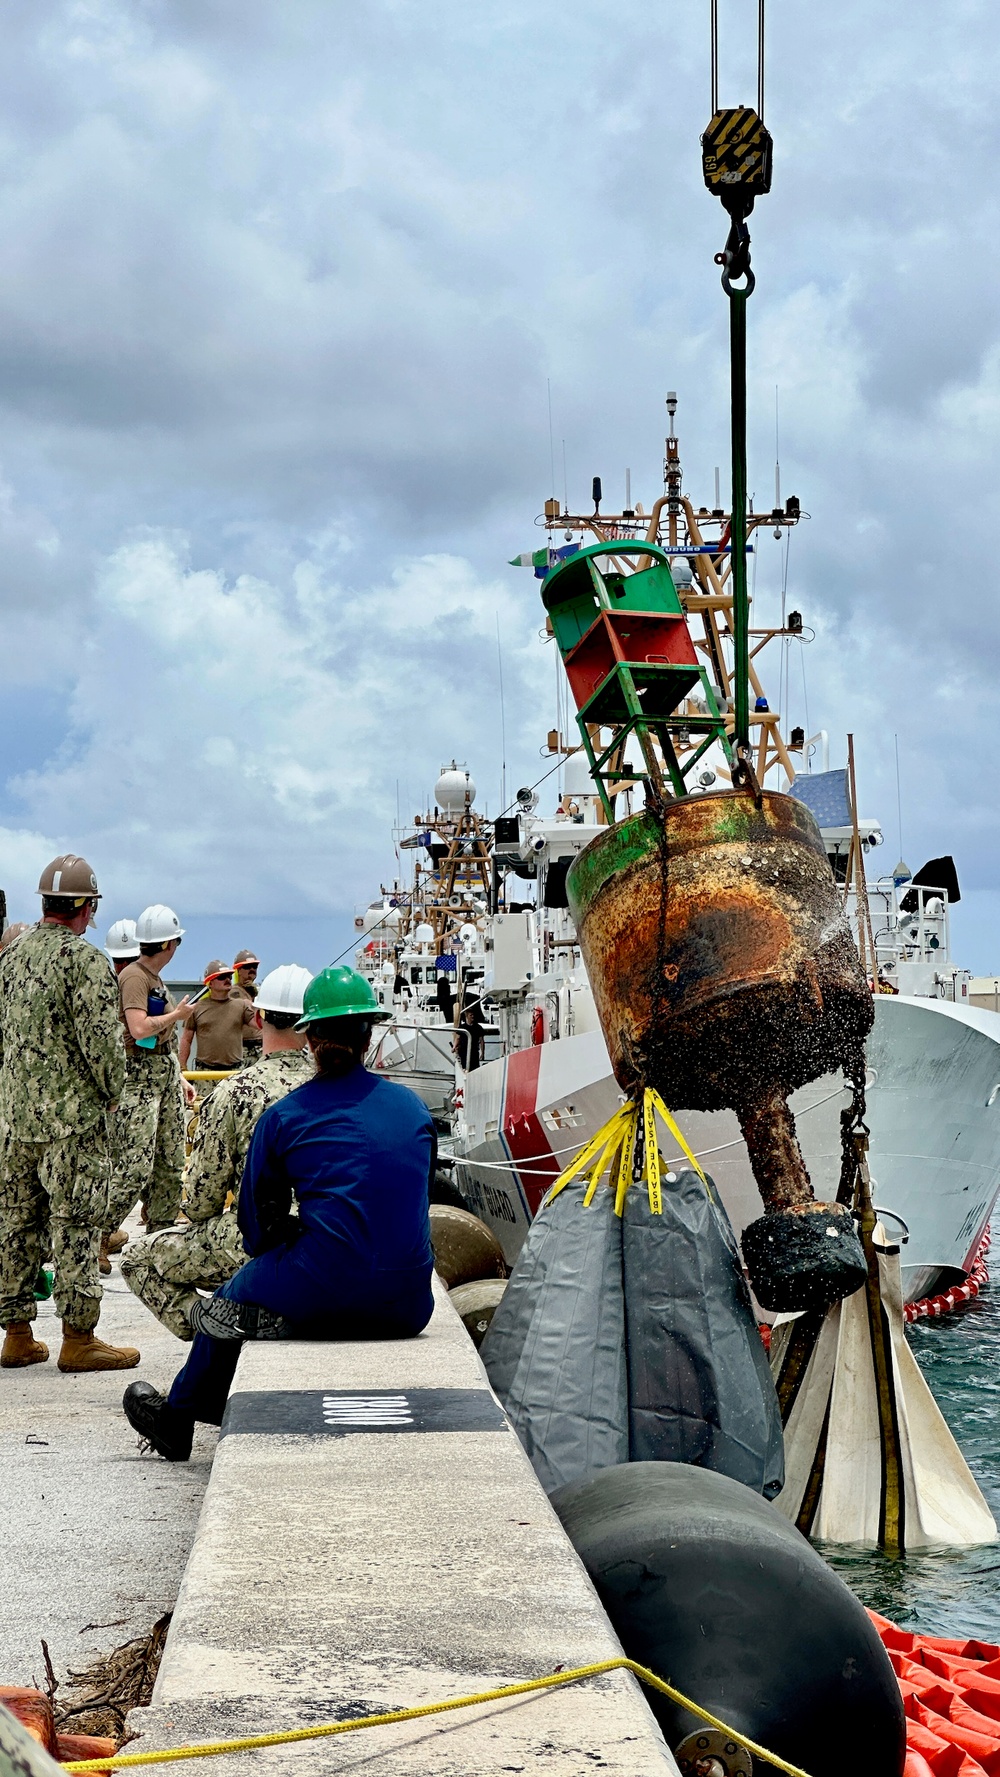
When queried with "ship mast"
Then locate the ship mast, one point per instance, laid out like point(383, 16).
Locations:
point(699, 543)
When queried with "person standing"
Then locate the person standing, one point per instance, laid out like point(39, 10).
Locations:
point(470, 1038)
point(121, 944)
point(222, 1022)
point(62, 1070)
point(245, 966)
point(355, 1152)
point(12, 933)
point(150, 1125)
point(166, 1270)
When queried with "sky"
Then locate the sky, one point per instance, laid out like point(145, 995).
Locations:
point(286, 292)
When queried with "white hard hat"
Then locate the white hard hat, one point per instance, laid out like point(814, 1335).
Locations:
point(121, 939)
point(283, 990)
point(158, 925)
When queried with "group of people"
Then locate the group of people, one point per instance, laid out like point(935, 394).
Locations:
point(302, 1209)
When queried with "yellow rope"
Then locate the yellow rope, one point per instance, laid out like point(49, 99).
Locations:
point(212, 1747)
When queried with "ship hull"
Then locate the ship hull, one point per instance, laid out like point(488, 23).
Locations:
point(933, 1112)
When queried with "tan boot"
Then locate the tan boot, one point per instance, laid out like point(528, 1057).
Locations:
point(21, 1348)
point(103, 1261)
point(117, 1241)
point(83, 1351)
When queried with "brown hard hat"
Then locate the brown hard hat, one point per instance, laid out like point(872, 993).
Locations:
point(245, 959)
point(70, 878)
point(216, 968)
point(13, 932)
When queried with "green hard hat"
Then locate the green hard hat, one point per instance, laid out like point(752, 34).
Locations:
point(339, 993)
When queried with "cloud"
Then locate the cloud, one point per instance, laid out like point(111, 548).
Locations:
point(281, 292)
point(241, 743)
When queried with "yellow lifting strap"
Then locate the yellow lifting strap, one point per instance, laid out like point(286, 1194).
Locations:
point(675, 1132)
point(613, 1147)
point(598, 1144)
point(626, 1162)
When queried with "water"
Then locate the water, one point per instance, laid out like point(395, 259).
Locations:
point(946, 1591)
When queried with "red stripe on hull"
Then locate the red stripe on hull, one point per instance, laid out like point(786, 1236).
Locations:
point(526, 1139)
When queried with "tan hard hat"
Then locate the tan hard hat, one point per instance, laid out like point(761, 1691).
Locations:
point(13, 932)
point(70, 879)
point(216, 968)
point(245, 959)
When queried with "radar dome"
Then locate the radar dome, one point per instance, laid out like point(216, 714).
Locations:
point(378, 918)
point(680, 572)
point(452, 787)
point(577, 780)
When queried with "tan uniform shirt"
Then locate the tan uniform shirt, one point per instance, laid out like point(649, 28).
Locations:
point(220, 1026)
point(135, 986)
point(247, 990)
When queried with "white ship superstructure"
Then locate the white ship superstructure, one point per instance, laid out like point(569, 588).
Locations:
point(422, 943)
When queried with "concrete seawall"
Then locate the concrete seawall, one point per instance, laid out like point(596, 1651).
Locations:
point(374, 1538)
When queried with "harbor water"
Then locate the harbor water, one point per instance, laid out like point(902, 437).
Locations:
point(948, 1592)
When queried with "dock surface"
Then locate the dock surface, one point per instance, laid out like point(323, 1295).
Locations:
point(373, 1538)
point(96, 1535)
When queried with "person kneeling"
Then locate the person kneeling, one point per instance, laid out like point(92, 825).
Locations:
point(356, 1153)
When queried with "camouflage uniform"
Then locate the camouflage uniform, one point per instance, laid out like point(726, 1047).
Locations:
point(149, 1140)
point(62, 1067)
point(166, 1270)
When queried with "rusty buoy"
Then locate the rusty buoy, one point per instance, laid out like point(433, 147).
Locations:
point(725, 975)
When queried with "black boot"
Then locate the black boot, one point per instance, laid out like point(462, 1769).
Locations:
point(169, 1432)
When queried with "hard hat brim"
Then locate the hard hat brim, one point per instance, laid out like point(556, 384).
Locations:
point(374, 1016)
point(75, 895)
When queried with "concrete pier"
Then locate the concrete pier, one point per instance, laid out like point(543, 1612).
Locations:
point(95, 1535)
point(374, 1538)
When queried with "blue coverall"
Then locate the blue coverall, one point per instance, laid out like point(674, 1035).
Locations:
point(357, 1153)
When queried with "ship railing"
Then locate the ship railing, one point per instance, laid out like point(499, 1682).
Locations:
point(923, 935)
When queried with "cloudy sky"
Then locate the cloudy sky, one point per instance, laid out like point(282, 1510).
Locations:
point(282, 291)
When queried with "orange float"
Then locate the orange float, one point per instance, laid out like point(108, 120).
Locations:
point(33, 1709)
point(951, 1696)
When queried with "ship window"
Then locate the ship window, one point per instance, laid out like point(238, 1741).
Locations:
point(565, 1117)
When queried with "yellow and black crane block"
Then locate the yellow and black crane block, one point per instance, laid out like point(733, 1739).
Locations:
point(736, 157)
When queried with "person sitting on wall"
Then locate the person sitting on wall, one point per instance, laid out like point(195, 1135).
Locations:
point(357, 1153)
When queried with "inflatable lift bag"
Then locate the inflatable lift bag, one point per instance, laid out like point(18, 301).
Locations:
point(700, 1386)
point(633, 1338)
point(555, 1351)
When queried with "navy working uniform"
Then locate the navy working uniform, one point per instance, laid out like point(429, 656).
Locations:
point(357, 1154)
